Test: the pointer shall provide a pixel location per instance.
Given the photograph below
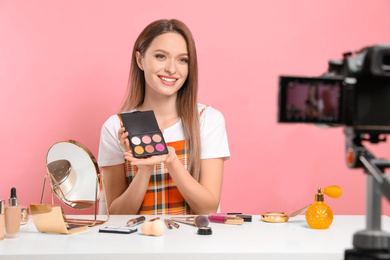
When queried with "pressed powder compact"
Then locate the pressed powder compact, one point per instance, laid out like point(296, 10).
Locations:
point(145, 136)
point(280, 217)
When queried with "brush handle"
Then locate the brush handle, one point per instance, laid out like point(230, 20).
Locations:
point(181, 220)
point(296, 213)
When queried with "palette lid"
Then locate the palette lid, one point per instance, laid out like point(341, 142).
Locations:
point(139, 122)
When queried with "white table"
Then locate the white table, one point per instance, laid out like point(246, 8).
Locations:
point(252, 240)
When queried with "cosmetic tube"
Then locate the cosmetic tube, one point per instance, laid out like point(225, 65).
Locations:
point(226, 220)
point(135, 221)
point(12, 216)
point(2, 220)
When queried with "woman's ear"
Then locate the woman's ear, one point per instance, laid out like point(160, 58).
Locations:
point(138, 57)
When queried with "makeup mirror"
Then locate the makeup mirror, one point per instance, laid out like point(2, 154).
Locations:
point(75, 178)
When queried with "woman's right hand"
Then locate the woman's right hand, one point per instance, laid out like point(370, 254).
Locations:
point(123, 140)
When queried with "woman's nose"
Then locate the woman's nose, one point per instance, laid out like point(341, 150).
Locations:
point(170, 67)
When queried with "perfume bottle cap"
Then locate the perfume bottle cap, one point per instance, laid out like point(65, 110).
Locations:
point(319, 196)
point(13, 200)
point(2, 207)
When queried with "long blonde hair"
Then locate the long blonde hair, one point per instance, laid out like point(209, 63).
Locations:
point(187, 106)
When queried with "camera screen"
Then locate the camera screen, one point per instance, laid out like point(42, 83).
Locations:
point(309, 100)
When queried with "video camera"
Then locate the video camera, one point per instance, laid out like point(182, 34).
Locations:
point(354, 92)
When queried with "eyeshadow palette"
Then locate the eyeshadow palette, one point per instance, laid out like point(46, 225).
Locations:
point(145, 136)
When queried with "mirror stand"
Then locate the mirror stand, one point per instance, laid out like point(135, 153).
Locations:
point(87, 204)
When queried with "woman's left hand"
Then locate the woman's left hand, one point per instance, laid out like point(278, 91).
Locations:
point(152, 160)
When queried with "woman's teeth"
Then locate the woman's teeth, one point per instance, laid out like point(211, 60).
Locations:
point(168, 80)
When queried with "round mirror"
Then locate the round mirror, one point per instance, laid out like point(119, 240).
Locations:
point(74, 174)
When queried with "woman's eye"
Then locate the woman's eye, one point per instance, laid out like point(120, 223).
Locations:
point(184, 60)
point(160, 56)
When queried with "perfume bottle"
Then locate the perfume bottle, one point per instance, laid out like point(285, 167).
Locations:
point(319, 215)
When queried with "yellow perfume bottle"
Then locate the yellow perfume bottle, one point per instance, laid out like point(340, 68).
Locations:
point(319, 215)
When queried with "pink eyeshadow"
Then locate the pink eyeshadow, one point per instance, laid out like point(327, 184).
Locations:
point(146, 139)
point(160, 147)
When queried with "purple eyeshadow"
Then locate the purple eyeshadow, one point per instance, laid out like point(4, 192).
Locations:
point(160, 147)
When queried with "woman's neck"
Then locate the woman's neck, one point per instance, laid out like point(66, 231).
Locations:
point(164, 109)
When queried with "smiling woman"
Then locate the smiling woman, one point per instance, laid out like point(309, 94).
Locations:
point(165, 65)
point(187, 180)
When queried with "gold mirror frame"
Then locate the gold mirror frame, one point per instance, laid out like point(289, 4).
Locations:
point(57, 187)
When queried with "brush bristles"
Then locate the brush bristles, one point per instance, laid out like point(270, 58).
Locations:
point(201, 221)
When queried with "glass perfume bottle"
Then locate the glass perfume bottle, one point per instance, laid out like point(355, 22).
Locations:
point(319, 215)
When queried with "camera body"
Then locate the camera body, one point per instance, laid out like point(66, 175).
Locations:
point(355, 92)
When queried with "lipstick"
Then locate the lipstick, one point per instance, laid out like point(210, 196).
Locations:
point(247, 218)
point(135, 221)
point(226, 220)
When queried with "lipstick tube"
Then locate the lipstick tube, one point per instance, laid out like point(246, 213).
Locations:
point(226, 220)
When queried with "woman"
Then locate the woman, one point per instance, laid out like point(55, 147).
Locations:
point(188, 180)
point(314, 105)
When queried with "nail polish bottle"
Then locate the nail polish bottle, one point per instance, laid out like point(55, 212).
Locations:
point(12, 216)
point(2, 219)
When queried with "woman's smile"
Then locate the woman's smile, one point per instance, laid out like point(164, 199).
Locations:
point(166, 80)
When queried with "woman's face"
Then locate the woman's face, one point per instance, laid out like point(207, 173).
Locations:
point(165, 64)
point(313, 91)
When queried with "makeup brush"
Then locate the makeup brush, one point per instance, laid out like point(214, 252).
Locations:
point(198, 221)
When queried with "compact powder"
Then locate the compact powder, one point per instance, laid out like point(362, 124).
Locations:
point(149, 148)
point(135, 140)
point(205, 231)
point(146, 139)
point(156, 138)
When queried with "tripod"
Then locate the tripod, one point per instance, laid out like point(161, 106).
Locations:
point(371, 243)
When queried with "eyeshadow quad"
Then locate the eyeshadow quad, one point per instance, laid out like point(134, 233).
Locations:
point(145, 136)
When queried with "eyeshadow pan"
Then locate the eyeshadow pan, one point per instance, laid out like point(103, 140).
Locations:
point(139, 150)
point(149, 148)
point(156, 138)
point(146, 139)
point(160, 147)
point(135, 140)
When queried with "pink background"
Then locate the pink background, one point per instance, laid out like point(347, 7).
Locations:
point(64, 67)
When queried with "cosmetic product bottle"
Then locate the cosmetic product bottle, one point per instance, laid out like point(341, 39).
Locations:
point(12, 216)
point(319, 215)
point(2, 219)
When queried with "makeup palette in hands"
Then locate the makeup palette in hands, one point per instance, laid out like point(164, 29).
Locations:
point(145, 136)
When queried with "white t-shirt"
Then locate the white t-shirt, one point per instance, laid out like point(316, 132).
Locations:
point(214, 142)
